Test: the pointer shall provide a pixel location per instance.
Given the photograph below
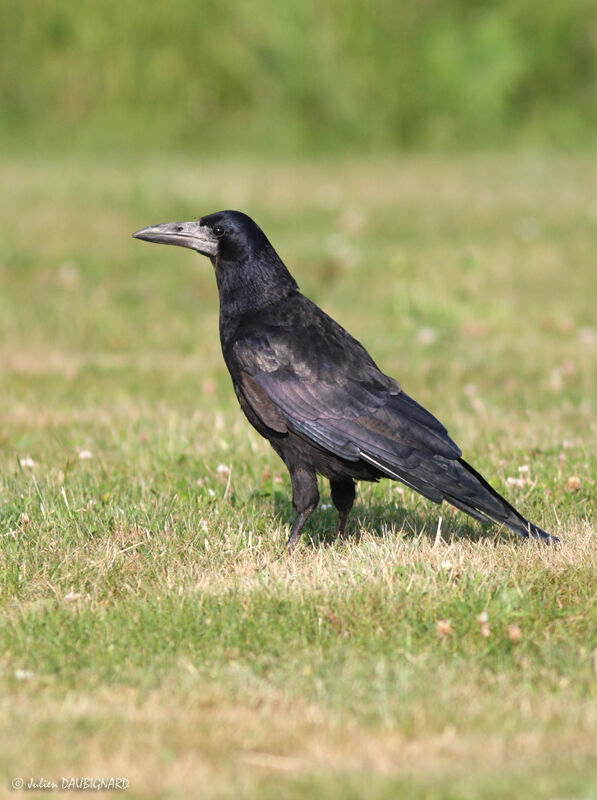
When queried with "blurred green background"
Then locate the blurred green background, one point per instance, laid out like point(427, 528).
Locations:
point(297, 77)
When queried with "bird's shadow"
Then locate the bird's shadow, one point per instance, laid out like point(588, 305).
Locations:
point(382, 520)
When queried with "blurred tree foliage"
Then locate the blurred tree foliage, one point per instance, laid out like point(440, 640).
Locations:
point(297, 75)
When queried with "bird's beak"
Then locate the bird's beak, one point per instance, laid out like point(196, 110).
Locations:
point(184, 234)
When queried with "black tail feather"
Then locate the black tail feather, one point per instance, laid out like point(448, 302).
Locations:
point(484, 509)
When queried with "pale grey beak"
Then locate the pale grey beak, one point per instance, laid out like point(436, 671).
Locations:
point(183, 234)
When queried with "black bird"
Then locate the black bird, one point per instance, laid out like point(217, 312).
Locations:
point(316, 394)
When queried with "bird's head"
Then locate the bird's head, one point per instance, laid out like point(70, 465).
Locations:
point(249, 272)
point(227, 235)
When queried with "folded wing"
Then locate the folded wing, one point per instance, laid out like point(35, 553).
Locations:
point(347, 406)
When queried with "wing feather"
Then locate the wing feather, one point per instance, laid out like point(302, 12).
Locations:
point(349, 408)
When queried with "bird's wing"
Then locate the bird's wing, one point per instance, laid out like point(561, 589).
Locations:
point(324, 383)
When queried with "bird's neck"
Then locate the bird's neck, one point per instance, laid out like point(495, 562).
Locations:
point(249, 285)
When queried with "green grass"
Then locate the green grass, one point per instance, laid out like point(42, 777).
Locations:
point(152, 626)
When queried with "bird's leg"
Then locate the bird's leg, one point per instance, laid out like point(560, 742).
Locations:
point(343, 492)
point(297, 528)
point(305, 496)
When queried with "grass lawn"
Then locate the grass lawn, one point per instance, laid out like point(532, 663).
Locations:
point(152, 627)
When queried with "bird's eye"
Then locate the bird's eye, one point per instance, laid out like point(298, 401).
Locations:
point(218, 231)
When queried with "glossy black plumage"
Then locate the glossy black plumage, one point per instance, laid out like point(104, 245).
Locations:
point(316, 394)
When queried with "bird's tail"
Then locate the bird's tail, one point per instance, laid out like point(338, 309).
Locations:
point(481, 501)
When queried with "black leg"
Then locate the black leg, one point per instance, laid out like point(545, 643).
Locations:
point(297, 528)
point(305, 496)
point(343, 492)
